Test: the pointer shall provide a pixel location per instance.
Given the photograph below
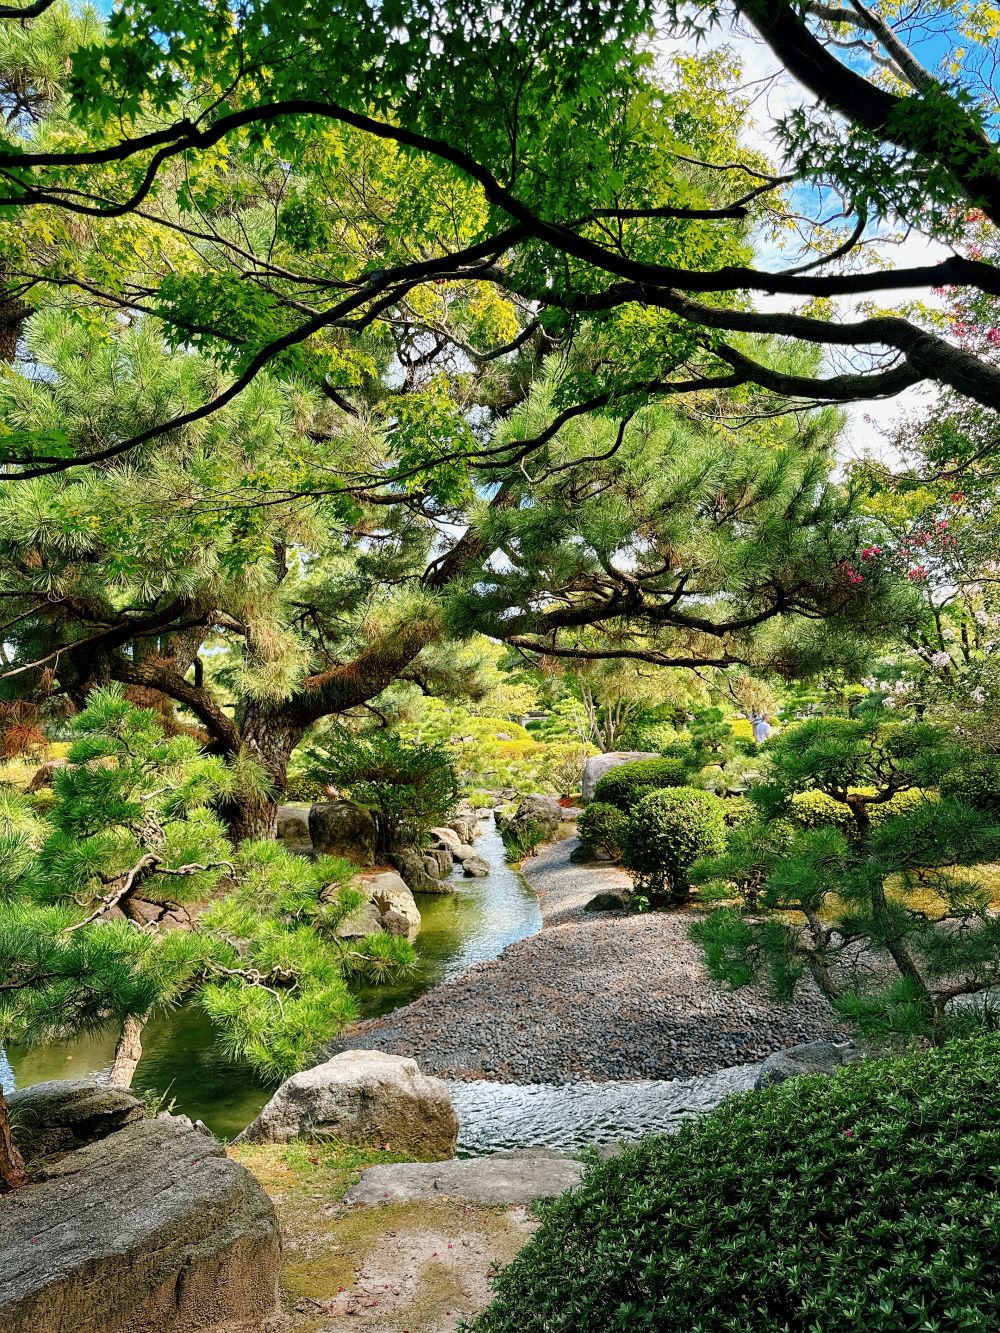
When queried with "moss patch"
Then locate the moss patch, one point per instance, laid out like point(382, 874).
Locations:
point(397, 1268)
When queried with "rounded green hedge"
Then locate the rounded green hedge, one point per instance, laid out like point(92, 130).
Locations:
point(864, 1203)
point(814, 809)
point(976, 783)
point(622, 786)
point(666, 833)
point(601, 827)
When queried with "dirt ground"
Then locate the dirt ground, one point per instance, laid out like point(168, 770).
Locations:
point(398, 1268)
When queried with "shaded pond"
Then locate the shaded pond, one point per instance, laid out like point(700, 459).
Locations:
point(182, 1062)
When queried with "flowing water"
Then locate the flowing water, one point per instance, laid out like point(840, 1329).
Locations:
point(182, 1063)
point(496, 1117)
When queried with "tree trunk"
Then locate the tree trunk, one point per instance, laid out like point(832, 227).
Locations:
point(12, 1172)
point(250, 819)
point(128, 1052)
point(895, 943)
point(816, 961)
point(13, 313)
point(268, 738)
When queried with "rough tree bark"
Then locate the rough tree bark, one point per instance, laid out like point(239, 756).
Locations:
point(128, 1052)
point(12, 1173)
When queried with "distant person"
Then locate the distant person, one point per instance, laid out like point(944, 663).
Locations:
point(760, 727)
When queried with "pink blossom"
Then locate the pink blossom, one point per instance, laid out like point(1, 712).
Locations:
point(917, 573)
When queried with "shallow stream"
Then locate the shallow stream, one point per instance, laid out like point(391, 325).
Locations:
point(182, 1064)
point(181, 1060)
point(496, 1117)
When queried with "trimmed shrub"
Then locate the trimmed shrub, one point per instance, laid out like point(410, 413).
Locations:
point(302, 784)
point(739, 811)
point(601, 827)
point(976, 783)
point(903, 803)
point(814, 809)
point(862, 1203)
point(665, 834)
point(624, 785)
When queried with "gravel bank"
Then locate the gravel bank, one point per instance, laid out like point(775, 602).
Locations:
point(592, 996)
point(564, 888)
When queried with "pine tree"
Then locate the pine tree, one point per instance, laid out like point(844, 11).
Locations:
point(406, 788)
point(856, 873)
point(129, 898)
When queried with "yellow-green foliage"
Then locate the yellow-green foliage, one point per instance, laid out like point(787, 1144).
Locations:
point(815, 809)
point(492, 728)
point(528, 765)
point(902, 803)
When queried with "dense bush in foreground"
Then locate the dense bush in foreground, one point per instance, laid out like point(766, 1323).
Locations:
point(602, 827)
point(866, 1203)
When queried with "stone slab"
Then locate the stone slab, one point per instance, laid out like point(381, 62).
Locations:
point(501, 1179)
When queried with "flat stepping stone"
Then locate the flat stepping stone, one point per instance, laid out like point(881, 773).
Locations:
point(486, 1180)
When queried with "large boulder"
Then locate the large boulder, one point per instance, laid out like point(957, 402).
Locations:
point(505, 1178)
point(437, 862)
point(164, 916)
point(390, 895)
point(812, 1057)
point(366, 1098)
point(475, 867)
point(599, 764)
point(545, 809)
point(466, 827)
point(445, 837)
point(421, 873)
point(149, 1230)
point(341, 828)
point(60, 1116)
point(531, 814)
point(608, 901)
point(389, 905)
point(293, 826)
point(364, 920)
